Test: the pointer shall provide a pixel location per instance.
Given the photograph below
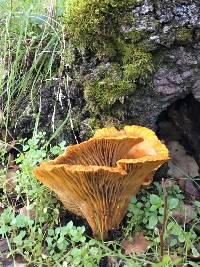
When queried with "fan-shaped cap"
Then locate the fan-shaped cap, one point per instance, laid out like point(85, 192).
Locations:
point(97, 178)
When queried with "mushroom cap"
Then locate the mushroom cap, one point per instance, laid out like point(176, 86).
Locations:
point(97, 178)
point(104, 151)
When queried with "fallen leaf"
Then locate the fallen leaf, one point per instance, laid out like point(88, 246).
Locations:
point(3, 245)
point(9, 178)
point(184, 214)
point(20, 260)
point(112, 261)
point(5, 135)
point(168, 183)
point(181, 183)
point(8, 261)
point(181, 162)
point(137, 245)
point(7, 142)
point(190, 188)
point(11, 263)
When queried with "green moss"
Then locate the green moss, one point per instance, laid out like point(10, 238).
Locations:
point(118, 80)
point(108, 86)
point(135, 35)
point(183, 34)
point(96, 25)
point(137, 63)
point(91, 23)
point(105, 120)
point(93, 123)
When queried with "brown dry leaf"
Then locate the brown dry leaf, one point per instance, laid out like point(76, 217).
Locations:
point(20, 260)
point(137, 245)
point(11, 263)
point(184, 214)
point(11, 145)
point(6, 135)
point(181, 162)
point(6, 140)
point(3, 245)
point(112, 261)
point(190, 188)
point(169, 183)
point(9, 178)
point(181, 183)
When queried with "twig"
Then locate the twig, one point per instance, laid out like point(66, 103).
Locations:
point(162, 232)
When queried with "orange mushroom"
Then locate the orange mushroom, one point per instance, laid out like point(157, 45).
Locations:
point(96, 179)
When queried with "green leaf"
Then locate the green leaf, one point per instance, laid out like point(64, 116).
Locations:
point(166, 260)
point(73, 232)
point(49, 240)
point(133, 200)
point(21, 221)
point(173, 203)
point(38, 19)
point(94, 251)
point(181, 238)
point(160, 219)
point(70, 225)
point(153, 220)
point(173, 242)
point(161, 211)
point(55, 150)
point(62, 245)
point(57, 230)
point(50, 232)
point(139, 205)
point(62, 145)
point(22, 233)
point(147, 205)
point(25, 147)
point(18, 240)
point(197, 203)
point(195, 252)
point(155, 200)
point(170, 225)
point(153, 208)
point(82, 239)
point(144, 220)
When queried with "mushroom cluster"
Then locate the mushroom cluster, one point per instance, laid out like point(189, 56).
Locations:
point(96, 179)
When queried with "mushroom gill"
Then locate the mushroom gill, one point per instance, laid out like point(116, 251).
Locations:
point(97, 178)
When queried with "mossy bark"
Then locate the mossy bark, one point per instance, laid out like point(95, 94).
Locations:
point(129, 61)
